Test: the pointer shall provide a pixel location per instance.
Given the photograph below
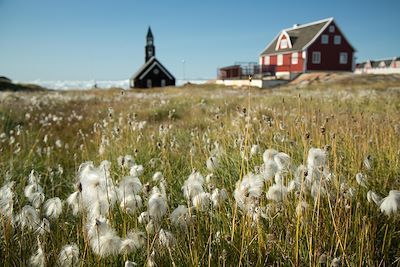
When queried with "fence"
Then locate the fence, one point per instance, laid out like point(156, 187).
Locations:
point(242, 71)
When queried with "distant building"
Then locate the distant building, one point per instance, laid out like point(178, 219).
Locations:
point(4, 79)
point(315, 46)
point(152, 73)
point(379, 66)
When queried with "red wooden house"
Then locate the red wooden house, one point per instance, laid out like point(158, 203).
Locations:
point(315, 46)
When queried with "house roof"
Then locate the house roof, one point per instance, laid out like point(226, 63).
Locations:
point(149, 65)
point(300, 36)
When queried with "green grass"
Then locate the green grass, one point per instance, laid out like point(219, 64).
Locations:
point(350, 119)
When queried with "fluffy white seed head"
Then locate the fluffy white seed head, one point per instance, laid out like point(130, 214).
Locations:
point(74, 202)
point(28, 217)
point(391, 203)
point(68, 256)
point(277, 192)
point(53, 208)
point(133, 241)
point(131, 203)
point(269, 154)
point(157, 206)
point(180, 216)
point(38, 259)
point(201, 201)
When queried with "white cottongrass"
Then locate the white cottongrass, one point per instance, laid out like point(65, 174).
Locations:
point(248, 191)
point(130, 264)
point(277, 192)
point(361, 179)
point(44, 227)
point(202, 201)
point(53, 208)
point(34, 193)
point(269, 169)
point(391, 203)
point(212, 163)
point(131, 203)
point(28, 218)
point(269, 154)
point(166, 239)
point(126, 161)
point(134, 240)
point(38, 259)
point(136, 170)
point(193, 186)
point(255, 149)
point(374, 197)
point(98, 191)
point(158, 176)
point(180, 216)
point(74, 202)
point(129, 185)
point(7, 200)
point(218, 197)
point(68, 256)
point(144, 217)
point(157, 206)
point(103, 239)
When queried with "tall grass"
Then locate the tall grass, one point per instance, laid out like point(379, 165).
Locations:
point(175, 132)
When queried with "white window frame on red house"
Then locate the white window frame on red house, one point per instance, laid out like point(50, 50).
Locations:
point(284, 43)
point(343, 58)
point(295, 58)
point(324, 39)
point(267, 60)
point(316, 57)
point(337, 40)
point(332, 28)
point(279, 60)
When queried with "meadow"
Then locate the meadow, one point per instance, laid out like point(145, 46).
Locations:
point(303, 175)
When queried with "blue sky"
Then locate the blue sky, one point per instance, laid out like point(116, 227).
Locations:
point(96, 39)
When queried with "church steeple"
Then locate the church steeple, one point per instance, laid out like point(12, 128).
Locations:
point(150, 49)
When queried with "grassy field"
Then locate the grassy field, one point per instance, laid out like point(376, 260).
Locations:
point(303, 175)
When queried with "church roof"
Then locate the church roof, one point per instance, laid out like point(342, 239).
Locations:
point(149, 33)
point(148, 66)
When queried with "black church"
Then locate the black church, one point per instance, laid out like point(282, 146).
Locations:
point(152, 73)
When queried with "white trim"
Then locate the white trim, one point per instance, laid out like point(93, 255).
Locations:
point(278, 44)
point(335, 39)
point(319, 57)
point(345, 56)
point(267, 60)
point(324, 38)
point(151, 67)
point(270, 43)
point(295, 57)
point(309, 24)
point(279, 62)
point(328, 22)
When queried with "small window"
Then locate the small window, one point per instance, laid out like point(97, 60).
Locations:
point(316, 57)
point(163, 83)
point(324, 39)
point(149, 83)
point(284, 44)
point(331, 28)
point(343, 58)
point(337, 40)
point(280, 60)
point(267, 60)
point(295, 58)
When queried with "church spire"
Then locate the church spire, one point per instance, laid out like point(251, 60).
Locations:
point(150, 49)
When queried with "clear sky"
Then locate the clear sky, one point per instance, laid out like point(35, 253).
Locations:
point(97, 39)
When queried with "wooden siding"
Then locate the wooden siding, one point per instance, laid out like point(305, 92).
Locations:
point(330, 53)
